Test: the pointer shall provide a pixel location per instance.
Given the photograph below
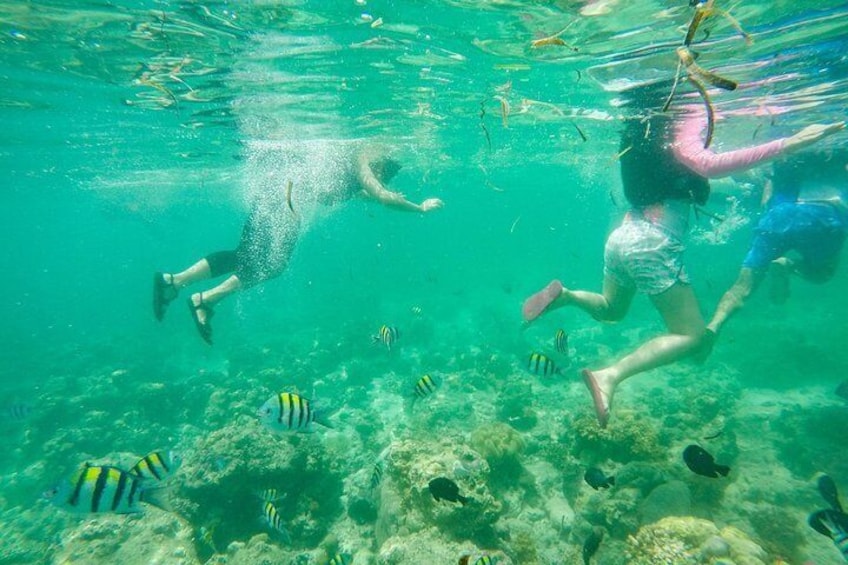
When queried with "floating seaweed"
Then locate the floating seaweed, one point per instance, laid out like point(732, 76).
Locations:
point(504, 110)
point(705, 10)
point(687, 58)
point(580, 132)
point(554, 39)
point(709, 108)
point(697, 76)
point(483, 125)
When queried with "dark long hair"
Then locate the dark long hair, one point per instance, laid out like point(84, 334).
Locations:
point(649, 171)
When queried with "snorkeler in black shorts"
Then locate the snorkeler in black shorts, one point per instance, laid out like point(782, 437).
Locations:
point(268, 240)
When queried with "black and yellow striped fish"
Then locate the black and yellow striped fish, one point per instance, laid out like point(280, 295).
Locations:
point(288, 411)
point(157, 465)
point(541, 364)
point(425, 386)
point(270, 495)
point(561, 341)
point(341, 559)
point(102, 488)
point(273, 519)
point(377, 474)
point(477, 560)
point(388, 335)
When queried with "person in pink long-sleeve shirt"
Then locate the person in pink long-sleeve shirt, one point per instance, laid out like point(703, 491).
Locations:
point(664, 169)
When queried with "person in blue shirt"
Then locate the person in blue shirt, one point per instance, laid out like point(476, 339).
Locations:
point(801, 233)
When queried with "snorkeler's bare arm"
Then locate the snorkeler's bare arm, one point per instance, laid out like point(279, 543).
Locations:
point(689, 148)
point(377, 190)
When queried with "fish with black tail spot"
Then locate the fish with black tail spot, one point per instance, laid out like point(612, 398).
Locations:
point(703, 463)
point(445, 489)
point(597, 479)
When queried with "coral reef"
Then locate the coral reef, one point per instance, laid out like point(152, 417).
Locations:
point(226, 469)
point(155, 537)
point(629, 436)
point(501, 446)
point(408, 505)
point(687, 540)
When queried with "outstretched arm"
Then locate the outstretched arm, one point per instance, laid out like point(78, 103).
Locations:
point(689, 149)
point(378, 191)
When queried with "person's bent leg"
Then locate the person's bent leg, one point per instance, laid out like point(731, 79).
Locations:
point(216, 294)
point(213, 265)
point(166, 286)
point(200, 305)
point(734, 298)
point(612, 305)
point(681, 313)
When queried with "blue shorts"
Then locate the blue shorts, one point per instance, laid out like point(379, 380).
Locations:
point(815, 231)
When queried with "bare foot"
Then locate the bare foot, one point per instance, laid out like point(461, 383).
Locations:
point(539, 302)
point(601, 389)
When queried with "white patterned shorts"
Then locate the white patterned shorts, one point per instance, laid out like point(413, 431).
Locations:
point(641, 255)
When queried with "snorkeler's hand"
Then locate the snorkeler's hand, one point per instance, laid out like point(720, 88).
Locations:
point(811, 134)
point(431, 204)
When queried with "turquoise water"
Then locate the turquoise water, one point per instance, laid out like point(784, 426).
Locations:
point(133, 142)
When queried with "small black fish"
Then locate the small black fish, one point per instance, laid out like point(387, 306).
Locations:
point(827, 488)
point(443, 488)
point(597, 479)
point(592, 543)
point(842, 390)
point(702, 463)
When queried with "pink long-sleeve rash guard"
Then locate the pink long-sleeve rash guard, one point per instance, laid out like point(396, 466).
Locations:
point(688, 149)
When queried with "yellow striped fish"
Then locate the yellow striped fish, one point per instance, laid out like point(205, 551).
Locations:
point(377, 474)
point(388, 335)
point(561, 341)
point(425, 386)
point(157, 465)
point(273, 519)
point(477, 560)
point(289, 411)
point(270, 495)
point(541, 364)
point(341, 559)
point(101, 488)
